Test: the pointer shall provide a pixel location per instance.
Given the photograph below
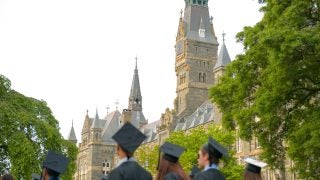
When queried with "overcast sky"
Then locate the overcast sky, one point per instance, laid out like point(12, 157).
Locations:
point(79, 54)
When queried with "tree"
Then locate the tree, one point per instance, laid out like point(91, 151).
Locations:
point(147, 156)
point(192, 141)
point(28, 129)
point(272, 90)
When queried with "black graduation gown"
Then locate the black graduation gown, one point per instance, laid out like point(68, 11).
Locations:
point(172, 176)
point(129, 170)
point(211, 174)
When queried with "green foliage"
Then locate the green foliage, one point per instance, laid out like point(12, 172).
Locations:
point(278, 81)
point(148, 156)
point(28, 129)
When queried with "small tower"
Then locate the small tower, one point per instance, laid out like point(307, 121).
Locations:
point(223, 60)
point(72, 135)
point(134, 112)
point(135, 98)
point(85, 133)
point(96, 129)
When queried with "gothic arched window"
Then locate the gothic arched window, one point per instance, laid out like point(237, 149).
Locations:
point(204, 78)
point(200, 77)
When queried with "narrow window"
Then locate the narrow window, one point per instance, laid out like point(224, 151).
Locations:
point(204, 78)
point(200, 77)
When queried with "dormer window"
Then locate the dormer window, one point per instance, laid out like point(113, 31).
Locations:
point(202, 33)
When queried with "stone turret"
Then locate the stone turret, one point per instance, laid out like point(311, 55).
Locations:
point(96, 129)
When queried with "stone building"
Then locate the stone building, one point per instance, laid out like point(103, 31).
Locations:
point(198, 67)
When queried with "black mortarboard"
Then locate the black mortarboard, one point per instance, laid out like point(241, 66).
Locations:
point(35, 176)
point(254, 165)
point(217, 149)
point(195, 170)
point(172, 152)
point(56, 162)
point(129, 137)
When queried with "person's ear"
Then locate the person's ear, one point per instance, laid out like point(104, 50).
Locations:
point(206, 155)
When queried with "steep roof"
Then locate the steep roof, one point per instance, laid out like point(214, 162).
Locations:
point(111, 126)
point(72, 134)
point(223, 58)
point(96, 123)
point(135, 86)
point(150, 130)
point(203, 114)
point(196, 17)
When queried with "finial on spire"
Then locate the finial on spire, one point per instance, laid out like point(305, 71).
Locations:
point(181, 12)
point(136, 62)
point(117, 103)
point(223, 35)
point(72, 123)
point(87, 112)
point(97, 116)
point(107, 109)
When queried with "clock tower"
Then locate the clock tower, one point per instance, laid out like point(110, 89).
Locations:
point(196, 54)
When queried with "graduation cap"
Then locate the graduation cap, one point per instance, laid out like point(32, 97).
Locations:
point(217, 149)
point(254, 165)
point(195, 170)
point(172, 152)
point(129, 137)
point(56, 162)
point(35, 176)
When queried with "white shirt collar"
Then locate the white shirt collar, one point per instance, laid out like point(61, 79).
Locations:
point(124, 160)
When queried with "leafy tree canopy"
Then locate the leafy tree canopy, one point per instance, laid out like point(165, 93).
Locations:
point(272, 91)
point(28, 129)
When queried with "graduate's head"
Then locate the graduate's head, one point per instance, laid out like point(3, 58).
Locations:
point(169, 161)
point(171, 152)
point(128, 139)
point(7, 177)
point(53, 165)
point(210, 153)
point(253, 169)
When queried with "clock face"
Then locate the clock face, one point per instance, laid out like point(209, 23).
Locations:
point(179, 47)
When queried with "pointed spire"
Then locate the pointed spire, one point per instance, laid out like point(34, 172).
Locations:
point(95, 123)
point(135, 98)
point(224, 57)
point(223, 35)
point(135, 87)
point(72, 135)
point(87, 115)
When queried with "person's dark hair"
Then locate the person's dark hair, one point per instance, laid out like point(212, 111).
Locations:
point(251, 176)
point(166, 167)
point(7, 177)
point(212, 157)
point(52, 173)
point(129, 154)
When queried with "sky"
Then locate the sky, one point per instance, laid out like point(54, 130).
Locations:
point(79, 55)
